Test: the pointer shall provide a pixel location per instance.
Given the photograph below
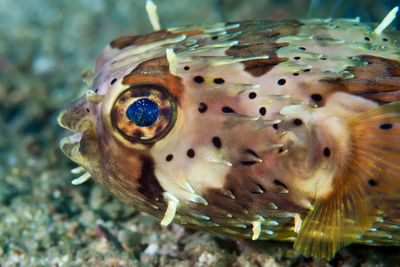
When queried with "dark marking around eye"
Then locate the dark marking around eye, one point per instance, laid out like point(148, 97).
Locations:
point(327, 152)
point(217, 142)
point(386, 126)
point(198, 79)
point(169, 157)
point(148, 183)
point(186, 68)
point(227, 110)
point(113, 81)
point(297, 58)
point(202, 108)
point(372, 182)
point(165, 112)
point(275, 126)
point(367, 39)
point(219, 81)
point(277, 182)
point(252, 95)
point(262, 111)
point(281, 81)
point(297, 122)
point(190, 153)
point(316, 97)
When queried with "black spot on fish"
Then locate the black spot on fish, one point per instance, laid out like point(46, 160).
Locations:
point(260, 190)
point(372, 182)
point(327, 152)
point(190, 153)
point(217, 142)
point(227, 110)
point(202, 108)
point(297, 122)
point(278, 182)
point(386, 126)
point(219, 81)
point(262, 111)
point(252, 95)
point(281, 81)
point(198, 79)
point(316, 97)
point(248, 163)
point(250, 151)
point(169, 157)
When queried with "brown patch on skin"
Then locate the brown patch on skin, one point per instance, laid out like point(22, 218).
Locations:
point(247, 201)
point(379, 80)
point(156, 71)
point(258, 67)
point(260, 38)
point(138, 40)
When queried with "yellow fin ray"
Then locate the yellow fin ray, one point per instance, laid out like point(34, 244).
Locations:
point(367, 185)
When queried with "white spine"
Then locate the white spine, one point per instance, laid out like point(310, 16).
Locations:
point(387, 20)
point(151, 10)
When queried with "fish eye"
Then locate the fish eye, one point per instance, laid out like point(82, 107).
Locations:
point(144, 113)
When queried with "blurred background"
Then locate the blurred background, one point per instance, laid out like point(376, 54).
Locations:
point(45, 45)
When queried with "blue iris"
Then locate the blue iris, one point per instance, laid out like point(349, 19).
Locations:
point(143, 112)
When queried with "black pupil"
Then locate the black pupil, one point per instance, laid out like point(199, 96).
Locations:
point(143, 112)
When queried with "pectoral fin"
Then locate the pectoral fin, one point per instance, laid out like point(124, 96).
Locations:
point(363, 189)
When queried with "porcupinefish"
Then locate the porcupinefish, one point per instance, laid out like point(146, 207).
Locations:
point(284, 130)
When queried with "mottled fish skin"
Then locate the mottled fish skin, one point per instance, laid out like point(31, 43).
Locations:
point(262, 125)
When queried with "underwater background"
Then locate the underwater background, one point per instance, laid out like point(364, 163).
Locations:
point(45, 45)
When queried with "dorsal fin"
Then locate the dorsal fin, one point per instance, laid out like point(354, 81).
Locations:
point(362, 189)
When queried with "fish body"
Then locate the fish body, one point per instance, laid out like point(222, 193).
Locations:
point(265, 130)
